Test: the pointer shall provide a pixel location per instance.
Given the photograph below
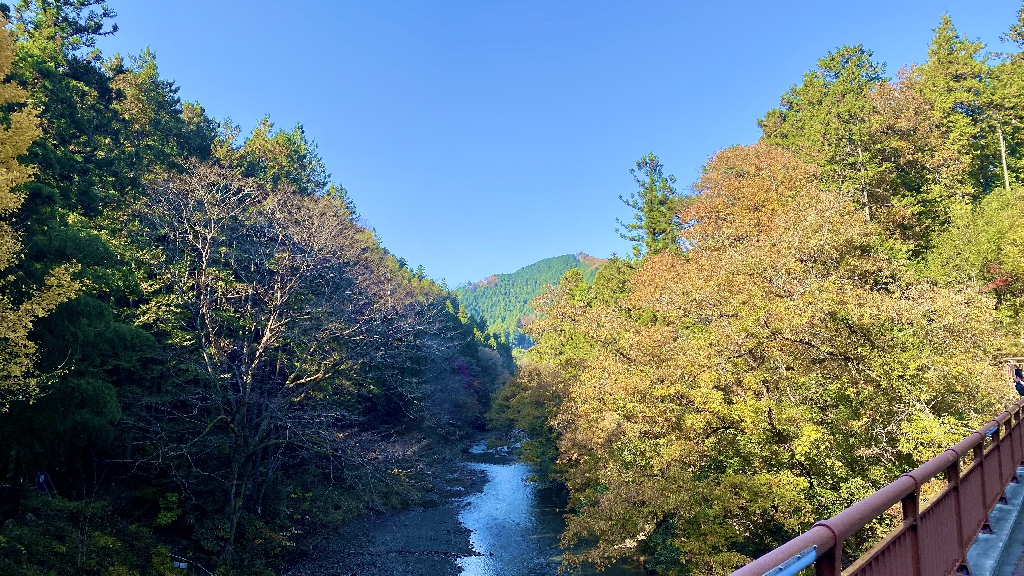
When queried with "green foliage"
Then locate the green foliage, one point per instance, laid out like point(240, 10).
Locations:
point(832, 321)
point(983, 248)
point(52, 535)
point(20, 305)
point(209, 393)
point(612, 280)
point(169, 510)
point(278, 157)
point(161, 130)
point(502, 301)
point(655, 226)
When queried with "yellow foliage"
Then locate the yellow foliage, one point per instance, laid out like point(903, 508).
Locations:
point(17, 352)
point(770, 375)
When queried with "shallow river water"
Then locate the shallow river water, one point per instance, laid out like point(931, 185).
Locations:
point(514, 527)
point(486, 520)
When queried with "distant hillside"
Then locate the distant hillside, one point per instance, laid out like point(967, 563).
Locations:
point(503, 300)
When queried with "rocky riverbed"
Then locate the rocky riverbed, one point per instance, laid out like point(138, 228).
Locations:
point(483, 518)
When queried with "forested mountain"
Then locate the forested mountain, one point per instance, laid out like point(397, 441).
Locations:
point(826, 311)
point(202, 351)
point(502, 301)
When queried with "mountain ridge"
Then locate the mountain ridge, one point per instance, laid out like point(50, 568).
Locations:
point(502, 301)
point(582, 257)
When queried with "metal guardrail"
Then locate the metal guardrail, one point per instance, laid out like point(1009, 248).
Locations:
point(929, 542)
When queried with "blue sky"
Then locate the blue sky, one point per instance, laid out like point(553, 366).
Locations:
point(478, 136)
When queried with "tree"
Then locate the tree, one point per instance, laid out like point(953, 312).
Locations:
point(655, 226)
point(19, 309)
point(954, 79)
point(781, 368)
point(263, 288)
point(76, 23)
point(160, 129)
point(826, 121)
point(910, 151)
point(291, 328)
point(278, 156)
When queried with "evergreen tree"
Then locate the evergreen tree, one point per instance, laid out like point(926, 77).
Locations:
point(655, 225)
point(277, 156)
point(20, 306)
point(826, 121)
point(954, 80)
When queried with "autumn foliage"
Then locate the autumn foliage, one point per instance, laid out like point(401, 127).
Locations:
point(833, 314)
point(779, 369)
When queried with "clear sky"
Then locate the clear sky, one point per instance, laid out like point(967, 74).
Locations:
point(479, 136)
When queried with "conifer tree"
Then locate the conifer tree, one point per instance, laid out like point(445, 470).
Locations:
point(18, 311)
point(953, 80)
point(826, 120)
point(655, 226)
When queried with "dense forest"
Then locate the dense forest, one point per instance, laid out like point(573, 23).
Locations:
point(206, 355)
point(203, 354)
point(502, 301)
point(825, 310)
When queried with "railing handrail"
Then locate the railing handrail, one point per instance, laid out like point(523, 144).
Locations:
point(827, 536)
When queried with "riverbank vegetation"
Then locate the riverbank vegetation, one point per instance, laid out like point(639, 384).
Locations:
point(204, 356)
point(824, 311)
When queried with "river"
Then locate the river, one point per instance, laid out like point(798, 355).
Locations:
point(488, 520)
point(514, 527)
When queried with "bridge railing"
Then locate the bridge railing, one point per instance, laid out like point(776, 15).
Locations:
point(932, 541)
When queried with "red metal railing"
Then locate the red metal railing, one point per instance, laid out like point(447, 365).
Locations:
point(929, 542)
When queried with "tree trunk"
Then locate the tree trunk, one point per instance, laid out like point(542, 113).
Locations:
point(1002, 151)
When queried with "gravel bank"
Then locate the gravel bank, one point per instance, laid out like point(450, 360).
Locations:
point(423, 540)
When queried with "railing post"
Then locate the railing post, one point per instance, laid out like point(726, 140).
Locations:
point(1012, 440)
point(979, 461)
point(1018, 447)
point(997, 441)
point(953, 480)
point(1011, 446)
point(831, 562)
point(911, 505)
point(1020, 436)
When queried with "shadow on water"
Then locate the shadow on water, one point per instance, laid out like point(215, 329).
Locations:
point(515, 526)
